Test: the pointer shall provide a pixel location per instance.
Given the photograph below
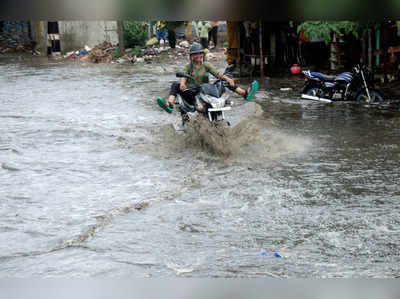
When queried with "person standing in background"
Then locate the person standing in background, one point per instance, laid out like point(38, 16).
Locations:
point(213, 33)
point(204, 28)
point(171, 29)
point(172, 38)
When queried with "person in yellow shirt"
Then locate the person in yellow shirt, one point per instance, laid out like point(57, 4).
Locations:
point(161, 31)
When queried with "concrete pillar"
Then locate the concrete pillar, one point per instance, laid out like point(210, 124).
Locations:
point(149, 35)
point(39, 35)
point(335, 52)
point(273, 46)
point(121, 40)
point(378, 46)
point(369, 47)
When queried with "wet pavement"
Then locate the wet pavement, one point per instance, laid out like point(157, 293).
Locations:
point(95, 181)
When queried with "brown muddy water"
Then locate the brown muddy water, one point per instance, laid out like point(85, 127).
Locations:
point(96, 182)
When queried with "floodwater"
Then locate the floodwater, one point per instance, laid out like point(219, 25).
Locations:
point(96, 182)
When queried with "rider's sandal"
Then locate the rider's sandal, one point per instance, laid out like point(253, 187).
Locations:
point(164, 105)
point(249, 95)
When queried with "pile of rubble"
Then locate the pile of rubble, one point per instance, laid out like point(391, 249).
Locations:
point(14, 37)
point(12, 42)
point(109, 53)
point(102, 53)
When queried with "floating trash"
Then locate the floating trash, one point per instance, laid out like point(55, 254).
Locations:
point(275, 254)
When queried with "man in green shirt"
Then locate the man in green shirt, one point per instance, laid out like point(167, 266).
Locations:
point(199, 70)
point(204, 28)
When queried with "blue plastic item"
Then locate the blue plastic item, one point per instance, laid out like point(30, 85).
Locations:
point(276, 254)
point(82, 52)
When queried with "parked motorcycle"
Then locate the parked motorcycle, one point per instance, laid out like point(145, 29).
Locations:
point(210, 100)
point(357, 85)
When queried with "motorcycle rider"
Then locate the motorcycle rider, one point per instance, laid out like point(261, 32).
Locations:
point(199, 69)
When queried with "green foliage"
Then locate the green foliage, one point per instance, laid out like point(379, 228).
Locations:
point(398, 24)
point(134, 34)
point(136, 50)
point(116, 54)
point(324, 29)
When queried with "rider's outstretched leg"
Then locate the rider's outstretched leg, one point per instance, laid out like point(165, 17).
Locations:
point(247, 94)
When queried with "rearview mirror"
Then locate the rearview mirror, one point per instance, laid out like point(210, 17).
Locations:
point(230, 68)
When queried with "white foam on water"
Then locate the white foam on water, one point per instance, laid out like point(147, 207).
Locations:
point(179, 269)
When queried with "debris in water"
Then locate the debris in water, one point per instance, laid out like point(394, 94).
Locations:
point(189, 228)
point(179, 269)
point(8, 167)
point(276, 254)
point(141, 206)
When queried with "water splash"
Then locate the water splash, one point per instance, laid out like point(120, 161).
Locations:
point(253, 138)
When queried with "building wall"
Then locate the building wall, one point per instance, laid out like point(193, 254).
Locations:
point(75, 35)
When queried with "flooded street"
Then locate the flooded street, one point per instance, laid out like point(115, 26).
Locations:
point(95, 182)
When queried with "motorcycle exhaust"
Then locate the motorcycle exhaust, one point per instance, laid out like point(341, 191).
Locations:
point(305, 96)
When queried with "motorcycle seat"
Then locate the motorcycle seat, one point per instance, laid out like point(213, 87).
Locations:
point(323, 77)
point(347, 77)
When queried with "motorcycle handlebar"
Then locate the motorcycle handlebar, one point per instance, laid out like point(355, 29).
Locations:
point(183, 75)
point(227, 71)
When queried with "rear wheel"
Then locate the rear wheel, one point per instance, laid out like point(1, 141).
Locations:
point(315, 92)
point(375, 95)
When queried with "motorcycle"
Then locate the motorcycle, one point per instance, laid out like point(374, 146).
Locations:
point(210, 100)
point(356, 85)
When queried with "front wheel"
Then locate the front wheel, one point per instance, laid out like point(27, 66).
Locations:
point(222, 124)
point(375, 95)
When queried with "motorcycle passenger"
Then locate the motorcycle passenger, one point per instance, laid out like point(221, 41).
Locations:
point(199, 69)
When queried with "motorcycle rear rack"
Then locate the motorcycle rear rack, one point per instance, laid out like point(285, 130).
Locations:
point(217, 110)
